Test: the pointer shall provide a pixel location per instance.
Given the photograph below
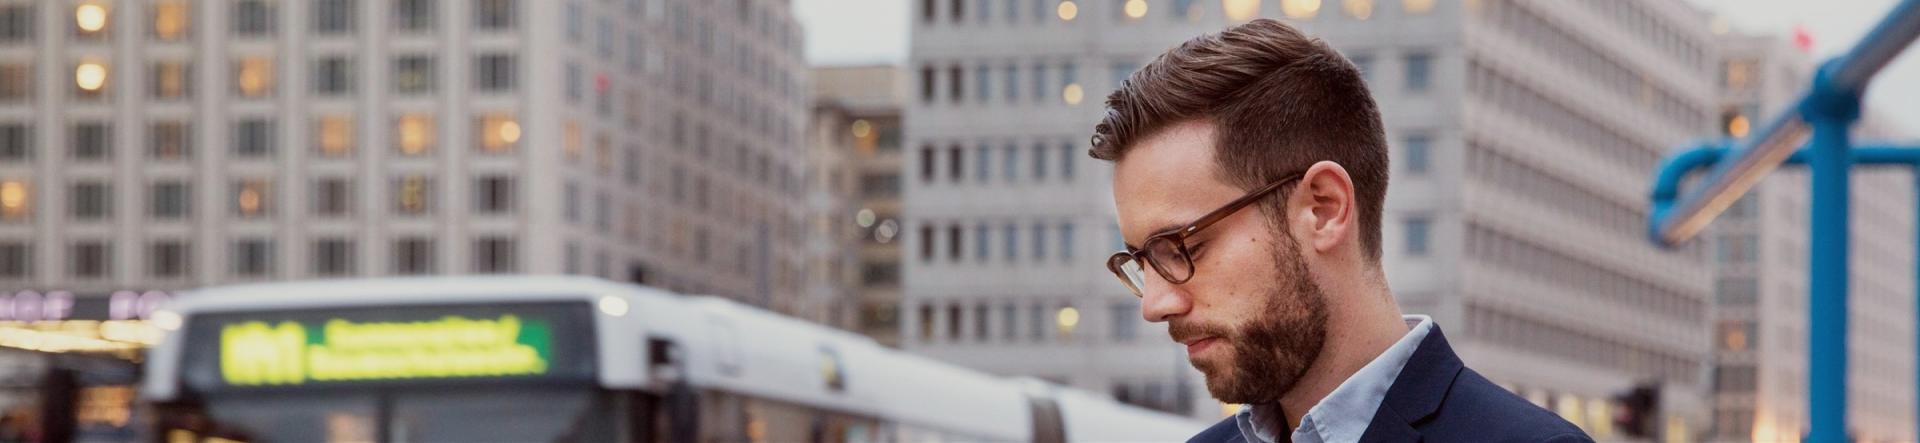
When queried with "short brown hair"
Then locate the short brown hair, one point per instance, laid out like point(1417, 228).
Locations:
point(1279, 101)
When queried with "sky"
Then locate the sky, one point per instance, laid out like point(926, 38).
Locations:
point(861, 32)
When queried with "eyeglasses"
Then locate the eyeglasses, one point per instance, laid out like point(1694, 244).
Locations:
point(1166, 252)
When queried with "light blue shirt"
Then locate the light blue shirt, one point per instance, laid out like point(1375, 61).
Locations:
point(1346, 412)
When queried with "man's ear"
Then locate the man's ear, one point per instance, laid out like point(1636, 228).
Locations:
point(1322, 205)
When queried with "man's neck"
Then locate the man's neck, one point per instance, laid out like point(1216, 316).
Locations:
point(1368, 327)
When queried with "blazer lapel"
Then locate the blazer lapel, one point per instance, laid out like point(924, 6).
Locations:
point(1417, 393)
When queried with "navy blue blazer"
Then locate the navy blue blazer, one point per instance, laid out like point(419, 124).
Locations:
point(1437, 399)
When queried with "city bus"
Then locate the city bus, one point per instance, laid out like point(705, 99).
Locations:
point(572, 359)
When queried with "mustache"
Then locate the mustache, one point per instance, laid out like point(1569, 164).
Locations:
point(1181, 331)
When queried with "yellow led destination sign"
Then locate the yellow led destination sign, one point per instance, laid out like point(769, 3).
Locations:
point(263, 353)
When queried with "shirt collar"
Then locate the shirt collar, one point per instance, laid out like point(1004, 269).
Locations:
point(1345, 413)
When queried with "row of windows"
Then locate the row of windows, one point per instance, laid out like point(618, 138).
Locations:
point(989, 238)
point(1038, 164)
point(1579, 276)
point(252, 258)
point(1493, 167)
point(1665, 36)
point(1585, 59)
point(256, 138)
point(410, 195)
point(1015, 83)
point(257, 77)
point(1013, 321)
point(1531, 334)
point(172, 20)
point(1132, 11)
point(1527, 104)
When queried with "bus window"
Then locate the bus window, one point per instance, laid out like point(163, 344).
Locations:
point(500, 415)
point(324, 417)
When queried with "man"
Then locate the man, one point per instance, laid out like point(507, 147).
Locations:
point(1250, 168)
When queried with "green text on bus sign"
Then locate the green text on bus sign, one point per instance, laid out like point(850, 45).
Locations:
point(259, 353)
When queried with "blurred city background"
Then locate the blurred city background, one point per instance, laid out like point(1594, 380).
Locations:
point(915, 171)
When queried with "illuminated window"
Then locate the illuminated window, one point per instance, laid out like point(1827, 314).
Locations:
point(171, 140)
point(90, 81)
point(333, 197)
point(16, 260)
point(253, 198)
point(1417, 6)
point(254, 17)
point(333, 257)
point(1300, 9)
point(499, 133)
point(414, 134)
point(172, 200)
point(1068, 319)
point(92, 200)
point(1133, 9)
point(413, 15)
point(16, 82)
point(253, 258)
point(570, 140)
point(1740, 75)
point(1360, 9)
point(90, 259)
point(412, 195)
point(333, 76)
point(1067, 10)
point(172, 80)
point(414, 256)
point(333, 16)
point(1240, 10)
point(336, 136)
point(255, 138)
point(171, 20)
point(253, 76)
point(91, 21)
point(16, 200)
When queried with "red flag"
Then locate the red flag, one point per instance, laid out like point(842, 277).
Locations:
point(1802, 38)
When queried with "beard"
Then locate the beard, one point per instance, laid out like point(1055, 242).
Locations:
point(1270, 353)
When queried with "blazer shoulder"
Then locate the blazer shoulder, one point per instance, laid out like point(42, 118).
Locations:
point(1477, 409)
point(1226, 431)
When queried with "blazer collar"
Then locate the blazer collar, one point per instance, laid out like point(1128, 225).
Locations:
point(1416, 394)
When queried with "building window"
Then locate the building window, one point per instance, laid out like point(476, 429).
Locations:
point(1418, 147)
point(604, 37)
point(956, 81)
point(880, 274)
point(412, 195)
point(252, 198)
point(253, 258)
point(91, 260)
point(494, 255)
point(1419, 71)
point(956, 164)
point(603, 211)
point(499, 133)
point(1011, 242)
point(1417, 236)
point(494, 73)
point(1039, 242)
point(926, 243)
point(254, 138)
point(1126, 321)
point(92, 201)
point(1737, 291)
point(92, 21)
point(982, 241)
point(169, 259)
point(1738, 248)
point(1066, 241)
point(253, 77)
point(927, 163)
point(413, 256)
point(983, 84)
point(1416, 7)
point(880, 185)
point(1040, 155)
point(954, 243)
point(333, 16)
point(333, 76)
point(335, 136)
point(92, 141)
point(413, 15)
point(172, 80)
point(927, 84)
point(926, 319)
point(333, 197)
point(570, 205)
point(414, 134)
point(575, 23)
point(170, 141)
point(333, 257)
point(17, 23)
point(494, 15)
point(254, 17)
point(575, 83)
point(413, 74)
point(172, 200)
point(16, 142)
point(90, 81)
point(16, 200)
point(494, 195)
point(16, 82)
point(16, 259)
point(1038, 318)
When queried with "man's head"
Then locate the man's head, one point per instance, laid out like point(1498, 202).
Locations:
point(1213, 119)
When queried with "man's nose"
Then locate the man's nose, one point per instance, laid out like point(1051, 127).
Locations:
point(1161, 300)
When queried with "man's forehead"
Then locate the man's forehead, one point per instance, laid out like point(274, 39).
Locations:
point(1167, 180)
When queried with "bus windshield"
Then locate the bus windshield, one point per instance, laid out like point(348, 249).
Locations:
point(525, 414)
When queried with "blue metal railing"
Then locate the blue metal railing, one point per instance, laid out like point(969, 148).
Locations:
point(1826, 112)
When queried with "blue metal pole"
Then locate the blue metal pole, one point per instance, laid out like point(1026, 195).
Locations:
point(1831, 109)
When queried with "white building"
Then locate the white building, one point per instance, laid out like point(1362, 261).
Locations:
point(1760, 247)
point(174, 144)
point(1523, 134)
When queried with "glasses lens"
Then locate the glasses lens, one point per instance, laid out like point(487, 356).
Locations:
point(1129, 271)
point(1170, 259)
